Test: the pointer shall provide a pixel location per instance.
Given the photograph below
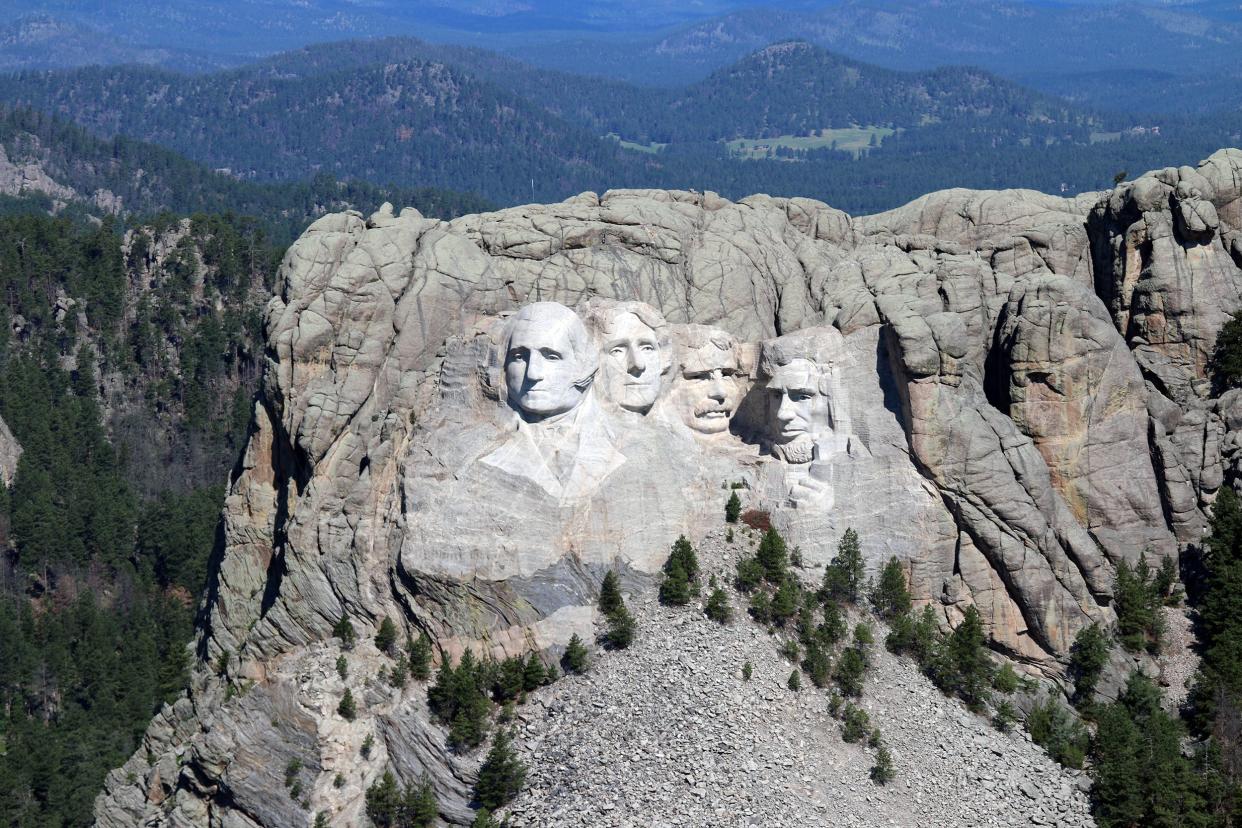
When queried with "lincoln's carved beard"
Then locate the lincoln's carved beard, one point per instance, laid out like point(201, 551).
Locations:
point(801, 449)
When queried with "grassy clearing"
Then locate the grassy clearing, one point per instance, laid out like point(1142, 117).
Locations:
point(856, 139)
point(651, 148)
point(1105, 137)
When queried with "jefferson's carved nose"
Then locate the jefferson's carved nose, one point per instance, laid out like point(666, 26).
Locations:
point(634, 365)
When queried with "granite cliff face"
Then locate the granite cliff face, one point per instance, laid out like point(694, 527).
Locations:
point(1006, 390)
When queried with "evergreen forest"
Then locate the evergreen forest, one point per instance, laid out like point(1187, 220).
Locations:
point(151, 337)
point(403, 114)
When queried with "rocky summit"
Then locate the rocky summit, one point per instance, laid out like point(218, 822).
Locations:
point(464, 425)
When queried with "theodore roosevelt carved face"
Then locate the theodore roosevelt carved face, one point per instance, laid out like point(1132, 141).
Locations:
point(706, 392)
point(549, 361)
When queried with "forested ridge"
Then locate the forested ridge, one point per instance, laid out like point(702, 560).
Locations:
point(139, 178)
point(409, 114)
point(127, 368)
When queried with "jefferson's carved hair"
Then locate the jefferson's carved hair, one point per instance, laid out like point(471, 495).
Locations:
point(601, 316)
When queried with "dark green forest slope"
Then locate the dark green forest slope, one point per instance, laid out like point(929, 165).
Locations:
point(140, 178)
point(401, 112)
point(152, 337)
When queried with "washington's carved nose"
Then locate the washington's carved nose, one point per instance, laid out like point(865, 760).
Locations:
point(534, 369)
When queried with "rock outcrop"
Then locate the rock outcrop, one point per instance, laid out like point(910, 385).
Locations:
point(10, 453)
point(1005, 390)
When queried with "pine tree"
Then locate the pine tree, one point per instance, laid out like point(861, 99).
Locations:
point(914, 635)
point(420, 657)
point(832, 629)
point(963, 665)
point(348, 708)
point(610, 595)
point(344, 630)
point(1057, 731)
point(1088, 657)
point(733, 509)
point(575, 659)
point(534, 675)
point(675, 588)
point(1005, 716)
point(795, 680)
point(749, 574)
point(747, 671)
point(1141, 775)
point(419, 807)
point(483, 819)
point(383, 801)
point(621, 627)
point(773, 557)
point(849, 672)
point(683, 555)
point(882, 772)
point(855, 724)
point(891, 598)
point(502, 774)
point(342, 667)
point(816, 664)
point(761, 607)
point(843, 579)
point(386, 636)
point(786, 601)
point(1137, 605)
point(718, 607)
point(1006, 680)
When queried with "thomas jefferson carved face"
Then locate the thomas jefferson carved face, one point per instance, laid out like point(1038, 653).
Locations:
point(707, 392)
point(797, 409)
point(549, 362)
point(631, 363)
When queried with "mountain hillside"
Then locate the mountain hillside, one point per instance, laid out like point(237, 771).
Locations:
point(1010, 37)
point(791, 119)
point(411, 123)
point(56, 166)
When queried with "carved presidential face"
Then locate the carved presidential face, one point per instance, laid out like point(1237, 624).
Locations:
point(797, 409)
point(707, 391)
point(631, 363)
point(546, 371)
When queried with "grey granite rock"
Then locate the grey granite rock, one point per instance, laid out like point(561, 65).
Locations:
point(1005, 390)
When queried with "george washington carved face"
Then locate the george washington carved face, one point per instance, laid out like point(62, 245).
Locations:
point(549, 361)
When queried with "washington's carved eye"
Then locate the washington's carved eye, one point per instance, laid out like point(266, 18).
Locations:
point(516, 355)
point(550, 355)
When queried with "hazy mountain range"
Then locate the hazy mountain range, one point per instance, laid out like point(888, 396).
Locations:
point(1186, 51)
point(789, 119)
